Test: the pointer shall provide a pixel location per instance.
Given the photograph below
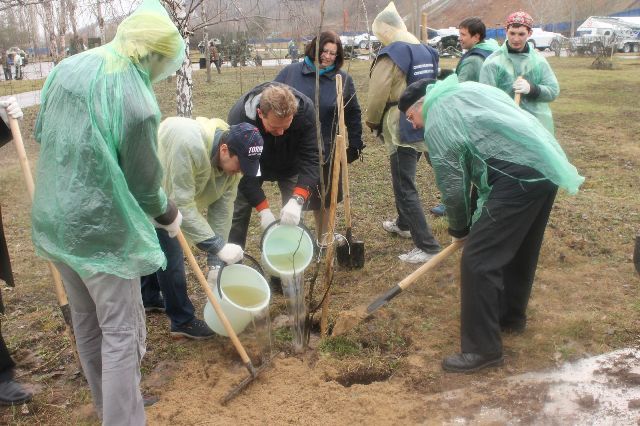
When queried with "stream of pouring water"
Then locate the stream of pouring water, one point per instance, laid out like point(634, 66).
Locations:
point(262, 326)
point(292, 287)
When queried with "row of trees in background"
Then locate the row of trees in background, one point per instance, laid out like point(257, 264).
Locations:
point(63, 26)
point(58, 25)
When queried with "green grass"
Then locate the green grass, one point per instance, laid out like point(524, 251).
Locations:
point(339, 346)
point(283, 335)
point(13, 87)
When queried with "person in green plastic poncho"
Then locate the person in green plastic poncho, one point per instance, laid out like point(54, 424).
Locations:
point(202, 161)
point(98, 189)
point(517, 58)
point(476, 135)
point(472, 39)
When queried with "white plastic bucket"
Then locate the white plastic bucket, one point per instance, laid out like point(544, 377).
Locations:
point(242, 293)
point(286, 250)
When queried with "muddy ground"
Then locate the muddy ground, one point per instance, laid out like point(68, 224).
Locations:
point(585, 299)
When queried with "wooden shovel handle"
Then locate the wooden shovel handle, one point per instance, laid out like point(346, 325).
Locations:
point(517, 96)
point(335, 174)
point(61, 295)
point(435, 261)
point(202, 280)
point(28, 179)
point(342, 128)
point(22, 155)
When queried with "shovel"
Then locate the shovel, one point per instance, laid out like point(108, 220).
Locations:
point(350, 253)
point(202, 280)
point(349, 319)
point(517, 96)
point(61, 295)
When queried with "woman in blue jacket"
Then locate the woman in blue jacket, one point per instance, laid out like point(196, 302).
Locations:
point(302, 76)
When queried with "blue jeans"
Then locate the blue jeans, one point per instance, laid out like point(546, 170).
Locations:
point(172, 282)
point(410, 214)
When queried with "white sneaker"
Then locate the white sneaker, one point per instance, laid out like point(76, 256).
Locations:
point(417, 256)
point(391, 227)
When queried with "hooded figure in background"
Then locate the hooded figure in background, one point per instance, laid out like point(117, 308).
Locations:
point(401, 61)
point(98, 196)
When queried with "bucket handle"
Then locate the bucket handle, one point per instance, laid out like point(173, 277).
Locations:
point(246, 256)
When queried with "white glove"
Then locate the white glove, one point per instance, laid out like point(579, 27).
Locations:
point(455, 240)
point(231, 253)
point(266, 218)
point(12, 108)
point(521, 86)
point(212, 276)
point(172, 228)
point(290, 214)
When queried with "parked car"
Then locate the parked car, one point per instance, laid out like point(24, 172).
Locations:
point(18, 51)
point(360, 41)
point(542, 39)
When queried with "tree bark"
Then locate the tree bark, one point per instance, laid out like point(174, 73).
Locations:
point(71, 8)
point(184, 85)
point(62, 26)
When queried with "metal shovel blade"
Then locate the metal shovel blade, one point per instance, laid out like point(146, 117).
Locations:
point(350, 253)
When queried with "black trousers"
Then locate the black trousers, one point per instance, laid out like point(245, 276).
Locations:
point(499, 262)
point(6, 363)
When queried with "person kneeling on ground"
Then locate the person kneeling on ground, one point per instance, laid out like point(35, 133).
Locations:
point(477, 135)
point(202, 161)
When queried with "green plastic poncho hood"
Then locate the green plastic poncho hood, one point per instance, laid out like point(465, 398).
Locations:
point(468, 123)
point(150, 40)
point(98, 177)
point(389, 27)
point(502, 68)
point(488, 44)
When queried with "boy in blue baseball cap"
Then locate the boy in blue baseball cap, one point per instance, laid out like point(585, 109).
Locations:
point(203, 161)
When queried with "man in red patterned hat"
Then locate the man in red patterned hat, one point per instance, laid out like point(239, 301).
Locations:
point(517, 68)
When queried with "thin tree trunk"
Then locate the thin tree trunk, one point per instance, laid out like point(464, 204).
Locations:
point(184, 85)
point(101, 32)
point(207, 56)
point(50, 32)
point(62, 26)
point(184, 78)
point(71, 8)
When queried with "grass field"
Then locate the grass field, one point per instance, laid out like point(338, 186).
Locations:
point(585, 299)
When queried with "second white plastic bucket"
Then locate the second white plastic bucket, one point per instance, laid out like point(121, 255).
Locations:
point(244, 293)
point(286, 250)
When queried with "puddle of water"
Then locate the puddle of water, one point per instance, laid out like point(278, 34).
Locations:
point(595, 390)
point(601, 390)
